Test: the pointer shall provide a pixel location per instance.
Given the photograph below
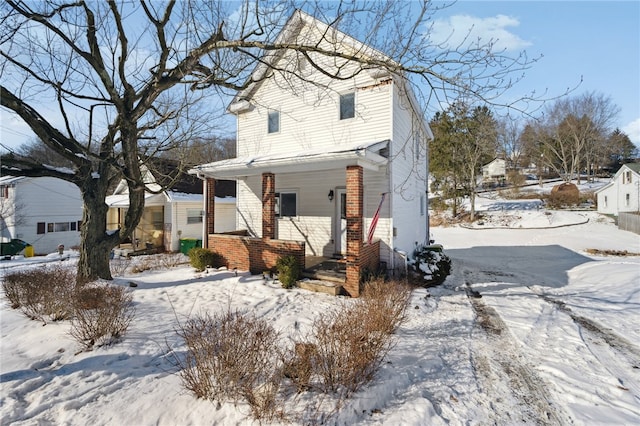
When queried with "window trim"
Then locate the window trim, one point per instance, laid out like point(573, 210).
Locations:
point(343, 96)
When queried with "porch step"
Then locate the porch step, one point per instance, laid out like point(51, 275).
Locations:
point(320, 286)
point(324, 276)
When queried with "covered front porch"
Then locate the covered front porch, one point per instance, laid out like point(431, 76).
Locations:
point(149, 234)
point(307, 205)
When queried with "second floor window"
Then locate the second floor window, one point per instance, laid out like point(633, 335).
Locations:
point(347, 106)
point(274, 122)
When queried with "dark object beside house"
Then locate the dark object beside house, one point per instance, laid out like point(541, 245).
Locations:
point(13, 247)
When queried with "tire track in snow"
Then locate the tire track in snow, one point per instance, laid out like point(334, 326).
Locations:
point(504, 362)
point(614, 352)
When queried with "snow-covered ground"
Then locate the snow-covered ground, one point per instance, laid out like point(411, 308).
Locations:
point(528, 329)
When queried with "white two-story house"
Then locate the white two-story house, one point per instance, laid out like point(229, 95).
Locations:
point(317, 157)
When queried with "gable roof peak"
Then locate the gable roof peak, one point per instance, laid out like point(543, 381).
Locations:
point(291, 37)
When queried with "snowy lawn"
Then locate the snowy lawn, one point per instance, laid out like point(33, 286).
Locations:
point(529, 328)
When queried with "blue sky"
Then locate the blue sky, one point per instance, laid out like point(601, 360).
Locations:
point(596, 41)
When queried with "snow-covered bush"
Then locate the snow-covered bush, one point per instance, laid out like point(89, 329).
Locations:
point(430, 265)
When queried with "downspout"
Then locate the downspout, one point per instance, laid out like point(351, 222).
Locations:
point(392, 257)
point(205, 220)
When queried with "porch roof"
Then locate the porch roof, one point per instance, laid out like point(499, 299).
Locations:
point(365, 155)
point(122, 200)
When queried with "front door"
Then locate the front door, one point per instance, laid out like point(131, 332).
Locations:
point(341, 221)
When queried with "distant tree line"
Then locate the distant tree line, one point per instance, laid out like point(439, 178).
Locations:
point(573, 137)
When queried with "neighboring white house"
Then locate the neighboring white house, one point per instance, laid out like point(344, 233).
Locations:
point(495, 171)
point(314, 149)
point(170, 215)
point(42, 211)
point(622, 194)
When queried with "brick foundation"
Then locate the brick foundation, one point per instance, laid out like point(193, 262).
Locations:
point(254, 254)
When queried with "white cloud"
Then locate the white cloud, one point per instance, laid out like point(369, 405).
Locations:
point(453, 31)
point(633, 131)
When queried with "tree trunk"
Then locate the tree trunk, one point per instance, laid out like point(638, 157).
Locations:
point(95, 245)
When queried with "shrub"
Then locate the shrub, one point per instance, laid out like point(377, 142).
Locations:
point(516, 178)
point(171, 260)
point(430, 265)
point(563, 195)
point(102, 313)
point(201, 258)
point(119, 265)
point(300, 368)
point(352, 342)
point(288, 270)
point(43, 293)
point(232, 356)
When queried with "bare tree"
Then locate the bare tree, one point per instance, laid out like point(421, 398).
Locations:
point(127, 77)
point(571, 131)
point(510, 143)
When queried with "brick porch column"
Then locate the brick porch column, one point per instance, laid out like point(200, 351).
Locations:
point(268, 205)
point(210, 204)
point(355, 225)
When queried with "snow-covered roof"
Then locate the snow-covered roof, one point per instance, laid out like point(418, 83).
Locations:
point(122, 200)
point(8, 180)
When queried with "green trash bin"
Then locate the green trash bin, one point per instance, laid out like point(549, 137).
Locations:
point(187, 244)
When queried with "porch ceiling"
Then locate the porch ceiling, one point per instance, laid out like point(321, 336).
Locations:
point(365, 155)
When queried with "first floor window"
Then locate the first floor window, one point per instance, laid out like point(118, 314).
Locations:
point(286, 204)
point(605, 201)
point(422, 206)
point(627, 200)
point(194, 216)
point(44, 227)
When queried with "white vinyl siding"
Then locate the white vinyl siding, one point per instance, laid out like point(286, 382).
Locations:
point(409, 175)
point(52, 201)
point(310, 119)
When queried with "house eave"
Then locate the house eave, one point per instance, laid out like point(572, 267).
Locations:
point(239, 168)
